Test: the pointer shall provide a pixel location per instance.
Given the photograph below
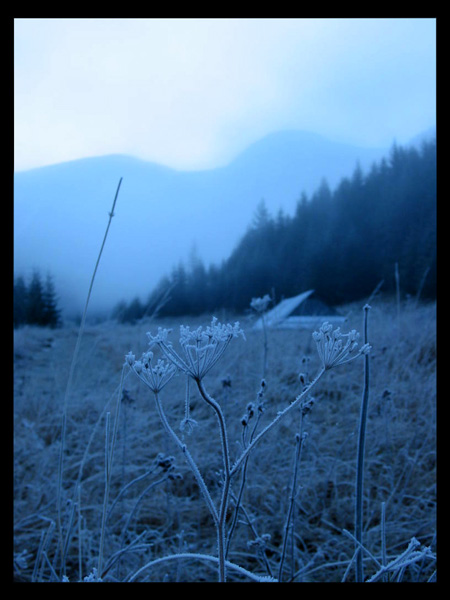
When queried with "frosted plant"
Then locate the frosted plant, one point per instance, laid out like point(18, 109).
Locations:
point(91, 578)
point(336, 348)
point(202, 348)
point(187, 424)
point(154, 376)
point(360, 459)
point(260, 304)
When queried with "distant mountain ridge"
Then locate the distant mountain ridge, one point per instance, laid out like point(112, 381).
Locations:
point(61, 212)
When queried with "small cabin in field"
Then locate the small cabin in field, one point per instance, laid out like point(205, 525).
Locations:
point(303, 310)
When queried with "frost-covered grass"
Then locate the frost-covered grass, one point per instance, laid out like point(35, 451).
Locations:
point(156, 524)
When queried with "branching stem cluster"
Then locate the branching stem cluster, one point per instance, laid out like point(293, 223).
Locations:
point(202, 349)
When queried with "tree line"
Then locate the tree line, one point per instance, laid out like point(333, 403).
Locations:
point(34, 302)
point(341, 243)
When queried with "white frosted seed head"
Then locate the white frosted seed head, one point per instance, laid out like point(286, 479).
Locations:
point(336, 348)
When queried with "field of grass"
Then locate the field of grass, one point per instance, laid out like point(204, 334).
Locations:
point(154, 507)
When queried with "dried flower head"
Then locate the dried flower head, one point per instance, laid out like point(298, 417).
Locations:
point(202, 348)
point(336, 348)
point(154, 376)
point(260, 304)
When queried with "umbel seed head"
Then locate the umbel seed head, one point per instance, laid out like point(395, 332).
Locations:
point(201, 348)
point(336, 348)
point(154, 376)
point(260, 304)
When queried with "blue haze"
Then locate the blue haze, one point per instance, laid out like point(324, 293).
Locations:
point(162, 216)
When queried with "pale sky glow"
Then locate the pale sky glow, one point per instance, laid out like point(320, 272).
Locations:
point(193, 93)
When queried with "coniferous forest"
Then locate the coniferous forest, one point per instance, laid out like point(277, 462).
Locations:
point(35, 302)
point(341, 243)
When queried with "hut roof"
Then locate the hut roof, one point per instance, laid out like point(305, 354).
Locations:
point(281, 315)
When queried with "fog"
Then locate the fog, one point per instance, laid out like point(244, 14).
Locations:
point(202, 118)
point(193, 93)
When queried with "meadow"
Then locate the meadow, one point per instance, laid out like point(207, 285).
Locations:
point(128, 496)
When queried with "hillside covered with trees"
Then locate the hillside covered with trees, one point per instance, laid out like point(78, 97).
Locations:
point(341, 243)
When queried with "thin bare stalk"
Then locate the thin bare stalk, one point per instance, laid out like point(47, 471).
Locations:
point(421, 284)
point(299, 444)
point(106, 494)
point(383, 537)
point(272, 424)
point(206, 557)
point(141, 496)
point(264, 326)
point(360, 460)
point(397, 289)
point(80, 537)
point(127, 487)
point(189, 459)
point(241, 489)
point(109, 456)
point(45, 538)
point(70, 380)
point(221, 536)
point(251, 525)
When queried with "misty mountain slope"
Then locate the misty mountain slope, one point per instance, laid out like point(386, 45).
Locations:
point(61, 212)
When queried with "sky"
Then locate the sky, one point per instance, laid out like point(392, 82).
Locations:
point(192, 94)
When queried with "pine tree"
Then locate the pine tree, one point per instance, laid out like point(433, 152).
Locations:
point(51, 315)
point(35, 300)
point(133, 312)
point(36, 303)
point(19, 301)
point(261, 217)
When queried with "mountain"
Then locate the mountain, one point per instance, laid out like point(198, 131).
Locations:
point(425, 136)
point(61, 212)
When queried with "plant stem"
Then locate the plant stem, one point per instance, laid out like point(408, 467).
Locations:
point(69, 382)
point(189, 459)
point(265, 346)
point(383, 537)
point(279, 416)
point(298, 451)
point(193, 555)
point(241, 489)
point(110, 444)
point(227, 479)
point(360, 460)
point(397, 289)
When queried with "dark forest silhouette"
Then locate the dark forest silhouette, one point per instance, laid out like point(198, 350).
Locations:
point(35, 302)
point(340, 243)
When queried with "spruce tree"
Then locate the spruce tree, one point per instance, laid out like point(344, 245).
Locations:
point(19, 301)
point(51, 315)
point(36, 303)
point(35, 300)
